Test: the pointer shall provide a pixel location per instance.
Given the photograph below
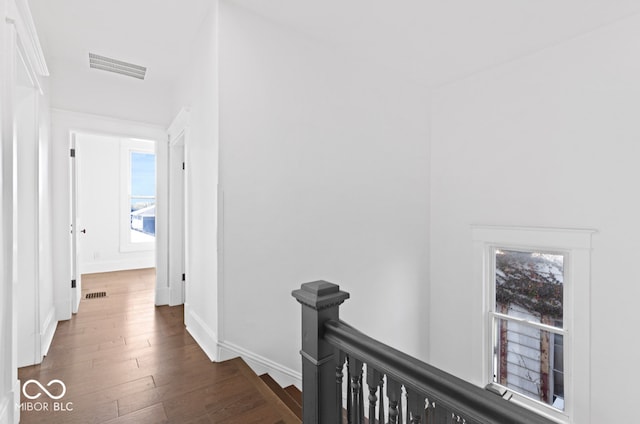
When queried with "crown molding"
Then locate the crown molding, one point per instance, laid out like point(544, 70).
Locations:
point(20, 15)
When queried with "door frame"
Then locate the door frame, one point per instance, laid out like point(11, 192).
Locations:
point(178, 140)
point(115, 131)
point(76, 277)
point(18, 41)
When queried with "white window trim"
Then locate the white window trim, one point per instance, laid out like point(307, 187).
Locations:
point(126, 147)
point(576, 244)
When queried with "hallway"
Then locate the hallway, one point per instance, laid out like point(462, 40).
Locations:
point(123, 360)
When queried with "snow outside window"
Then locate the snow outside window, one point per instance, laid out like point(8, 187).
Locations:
point(142, 196)
point(138, 195)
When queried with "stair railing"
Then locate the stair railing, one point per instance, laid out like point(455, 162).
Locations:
point(416, 392)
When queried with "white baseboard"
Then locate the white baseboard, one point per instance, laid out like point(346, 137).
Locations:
point(204, 335)
point(10, 405)
point(177, 293)
point(163, 296)
point(259, 364)
point(122, 265)
point(48, 330)
point(221, 351)
point(63, 309)
point(76, 297)
point(6, 407)
point(16, 402)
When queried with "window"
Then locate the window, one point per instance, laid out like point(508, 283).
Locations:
point(527, 315)
point(138, 194)
point(536, 310)
point(142, 196)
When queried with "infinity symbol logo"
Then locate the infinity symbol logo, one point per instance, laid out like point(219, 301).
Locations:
point(43, 389)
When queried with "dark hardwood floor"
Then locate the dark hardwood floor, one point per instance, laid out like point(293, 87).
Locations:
point(123, 360)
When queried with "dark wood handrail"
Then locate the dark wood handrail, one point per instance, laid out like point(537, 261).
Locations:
point(457, 394)
point(327, 342)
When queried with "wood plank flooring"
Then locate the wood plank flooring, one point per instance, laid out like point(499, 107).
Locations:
point(124, 360)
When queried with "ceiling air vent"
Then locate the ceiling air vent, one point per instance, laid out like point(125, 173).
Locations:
point(117, 66)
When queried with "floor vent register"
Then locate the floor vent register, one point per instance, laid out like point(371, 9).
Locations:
point(95, 295)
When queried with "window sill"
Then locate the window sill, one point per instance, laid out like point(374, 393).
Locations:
point(543, 409)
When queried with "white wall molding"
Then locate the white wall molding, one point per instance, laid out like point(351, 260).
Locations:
point(6, 408)
point(21, 66)
point(176, 293)
point(202, 333)
point(176, 254)
point(16, 401)
point(535, 236)
point(48, 330)
point(163, 296)
point(108, 266)
point(28, 36)
point(179, 125)
point(284, 376)
point(219, 351)
point(63, 308)
point(10, 405)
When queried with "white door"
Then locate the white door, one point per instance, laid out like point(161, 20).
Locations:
point(95, 199)
point(76, 283)
point(177, 222)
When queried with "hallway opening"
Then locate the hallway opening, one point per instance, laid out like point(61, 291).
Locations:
point(123, 359)
point(113, 192)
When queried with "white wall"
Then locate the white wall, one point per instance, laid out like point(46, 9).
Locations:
point(100, 207)
point(324, 168)
point(63, 124)
point(197, 90)
point(550, 140)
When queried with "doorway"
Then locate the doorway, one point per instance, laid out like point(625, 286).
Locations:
point(113, 186)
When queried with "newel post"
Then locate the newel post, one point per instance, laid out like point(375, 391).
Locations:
point(321, 302)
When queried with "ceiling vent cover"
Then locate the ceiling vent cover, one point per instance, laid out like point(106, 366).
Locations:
point(117, 66)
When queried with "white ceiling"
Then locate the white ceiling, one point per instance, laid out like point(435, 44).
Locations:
point(437, 41)
point(151, 33)
point(430, 41)
point(157, 34)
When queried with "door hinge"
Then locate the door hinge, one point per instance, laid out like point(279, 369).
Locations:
point(184, 277)
point(183, 166)
point(73, 284)
point(72, 153)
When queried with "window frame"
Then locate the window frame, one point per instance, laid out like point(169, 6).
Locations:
point(575, 245)
point(127, 147)
point(495, 316)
